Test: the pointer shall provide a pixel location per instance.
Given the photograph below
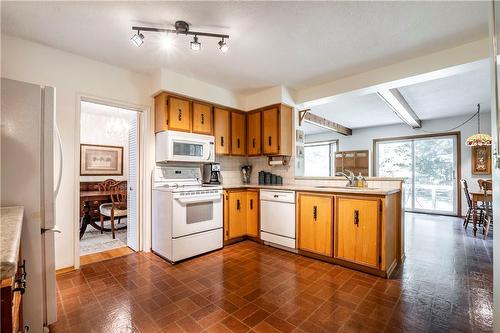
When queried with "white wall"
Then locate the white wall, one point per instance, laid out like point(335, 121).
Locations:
point(71, 75)
point(362, 138)
point(184, 85)
point(108, 126)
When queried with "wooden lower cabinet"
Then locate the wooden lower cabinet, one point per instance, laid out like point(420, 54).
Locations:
point(315, 223)
point(12, 302)
point(253, 213)
point(241, 214)
point(237, 205)
point(357, 227)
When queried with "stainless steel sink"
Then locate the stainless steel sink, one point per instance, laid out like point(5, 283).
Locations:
point(349, 188)
point(325, 186)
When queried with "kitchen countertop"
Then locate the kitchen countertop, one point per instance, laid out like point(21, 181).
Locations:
point(11, 223)
point(305, 188)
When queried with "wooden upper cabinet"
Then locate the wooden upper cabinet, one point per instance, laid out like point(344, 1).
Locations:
point(202, 118)
point(179, 114)
point(277, 130)
point(237, 209)
point(254, 133)
point(357, 223)
point(238, 133)
point(222, 131)
point(270, 131)
point(253, 213)
point(161, 113)
point(315, 223)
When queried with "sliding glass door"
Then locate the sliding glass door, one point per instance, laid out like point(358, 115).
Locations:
point(429, 166)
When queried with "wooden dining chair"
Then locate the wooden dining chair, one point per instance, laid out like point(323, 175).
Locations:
point(479, 210)
point(117, 207)
point(486, 186)
point(105, 185)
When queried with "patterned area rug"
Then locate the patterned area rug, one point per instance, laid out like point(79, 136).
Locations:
point(93, 241)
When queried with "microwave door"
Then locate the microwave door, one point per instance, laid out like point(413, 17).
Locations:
point(183, 150)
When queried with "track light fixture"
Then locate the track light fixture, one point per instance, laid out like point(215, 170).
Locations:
point(223, 46)
point(181, 28)
point(137, 39)
point(195, 45)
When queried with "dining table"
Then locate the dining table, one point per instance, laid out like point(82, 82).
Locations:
point(87, 197)
point(478, 196)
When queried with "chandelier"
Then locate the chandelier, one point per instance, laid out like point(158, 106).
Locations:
point(478, 139)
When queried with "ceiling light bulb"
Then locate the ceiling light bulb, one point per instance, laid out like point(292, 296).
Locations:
point(223, 46)
point(195, 45)
point(167, 40)
point(137, 39)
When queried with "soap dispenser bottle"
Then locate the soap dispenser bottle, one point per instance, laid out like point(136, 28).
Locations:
point(360, 180)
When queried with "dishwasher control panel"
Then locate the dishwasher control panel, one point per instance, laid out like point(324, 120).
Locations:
point(281, 196)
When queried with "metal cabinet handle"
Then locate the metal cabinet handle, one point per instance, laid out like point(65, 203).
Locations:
point(238, 142)
point(276, 196)
point(180, 115)
point(251, 204)
point(269, 140)
point(238, 204)
point(222, 141)
point(356, 217)
point(202, 118)
point(253, 142)
point(21, 281)
point(315, 213)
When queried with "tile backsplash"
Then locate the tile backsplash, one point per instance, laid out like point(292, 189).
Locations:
point(231, 169)
point(231, 173)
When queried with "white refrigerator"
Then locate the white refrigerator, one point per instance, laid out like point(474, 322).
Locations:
point(28, 136)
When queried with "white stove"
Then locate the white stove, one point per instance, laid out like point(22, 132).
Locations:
point(187, 216)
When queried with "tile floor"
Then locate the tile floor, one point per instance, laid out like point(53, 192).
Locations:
point(444, 285)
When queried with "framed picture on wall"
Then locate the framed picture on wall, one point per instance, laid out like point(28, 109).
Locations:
point(98, 160)
point(481, 160)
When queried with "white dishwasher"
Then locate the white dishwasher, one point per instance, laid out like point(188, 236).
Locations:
point(277, 217)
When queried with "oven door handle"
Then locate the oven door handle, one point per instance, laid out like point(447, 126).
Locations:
point(199, 199)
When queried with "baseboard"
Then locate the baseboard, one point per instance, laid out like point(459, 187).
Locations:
point(65, 270)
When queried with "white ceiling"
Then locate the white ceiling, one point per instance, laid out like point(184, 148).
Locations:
point(445, 97)
point(450, 96)
point(354, 111)
point(296, 44)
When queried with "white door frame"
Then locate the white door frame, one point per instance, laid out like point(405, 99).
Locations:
point(142, 184)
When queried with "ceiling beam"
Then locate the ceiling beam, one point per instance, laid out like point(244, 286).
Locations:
point(400, 106)
point(448, 62)
point(308, 117)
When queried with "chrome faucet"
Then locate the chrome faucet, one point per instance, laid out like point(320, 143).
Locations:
point(349, 175)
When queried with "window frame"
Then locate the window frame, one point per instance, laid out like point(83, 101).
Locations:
point(333, 149)
point(458, 151)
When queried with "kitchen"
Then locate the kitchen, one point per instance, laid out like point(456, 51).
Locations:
point(314, 235)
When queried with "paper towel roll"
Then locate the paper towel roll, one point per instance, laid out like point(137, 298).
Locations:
point(279, 162)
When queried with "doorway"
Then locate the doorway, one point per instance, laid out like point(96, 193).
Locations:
point(108, 182)
point(430, 166)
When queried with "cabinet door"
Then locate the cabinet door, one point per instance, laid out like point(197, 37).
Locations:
point(161, 114)
point(316, 223)
point(237, 214)
point(357, 230)
point(238, 134)
point(179, 115)
point(202, 118)
point(253, 213)
point(254, 134)
point(221, 131)
point(270, 131)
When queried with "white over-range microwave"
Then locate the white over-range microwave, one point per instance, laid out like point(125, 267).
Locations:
point(173, 146)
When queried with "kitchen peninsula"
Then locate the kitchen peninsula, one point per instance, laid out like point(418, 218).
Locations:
point(359, 228)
